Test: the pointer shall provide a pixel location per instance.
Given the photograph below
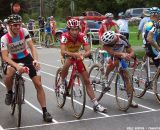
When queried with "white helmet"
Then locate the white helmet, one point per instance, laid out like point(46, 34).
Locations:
point(109, 15)
point(108, 37)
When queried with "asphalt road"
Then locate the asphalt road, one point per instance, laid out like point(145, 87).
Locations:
point(145, 117)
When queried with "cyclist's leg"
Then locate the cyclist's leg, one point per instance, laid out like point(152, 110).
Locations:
point(82, 70)
point(36, 79)
point(8, 81)
point(110, 67)
point(65, 69)
point(129, 87)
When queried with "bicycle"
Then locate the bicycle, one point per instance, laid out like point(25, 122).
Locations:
point(77, 87)
point(18, 96)
point(123, 93)
point(143, 80)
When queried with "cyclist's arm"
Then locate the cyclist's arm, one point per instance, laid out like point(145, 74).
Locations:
point(33, 50)
point(151, 40)
point(87, 52)
point(7, 59)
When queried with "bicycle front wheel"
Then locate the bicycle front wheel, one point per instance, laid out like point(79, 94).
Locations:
point(123, 90)
point(78, 95)
point(156, 85)
point(95, 75)
point(20, 99)
point(139, 80)
point(60, 96)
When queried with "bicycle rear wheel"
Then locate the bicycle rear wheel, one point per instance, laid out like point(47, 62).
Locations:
point(78, 95)
point(139, 80)
point(123, 94)
point(60, 96)
point(95, 75)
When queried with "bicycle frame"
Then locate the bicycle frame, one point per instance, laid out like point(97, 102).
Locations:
point(74, 70)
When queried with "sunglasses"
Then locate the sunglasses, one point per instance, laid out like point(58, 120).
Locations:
point(15, 24)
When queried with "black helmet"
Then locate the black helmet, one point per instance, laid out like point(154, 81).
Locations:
point(14, 18)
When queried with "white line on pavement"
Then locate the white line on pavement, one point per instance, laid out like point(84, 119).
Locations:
point(1, 128)
point(87, 119)
point(105, 93)
point(34, 107)
point(69, 98)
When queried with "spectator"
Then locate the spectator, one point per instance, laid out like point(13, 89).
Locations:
point(41, 24)
point(143, 21)
point(123, 25)
point(53, 27)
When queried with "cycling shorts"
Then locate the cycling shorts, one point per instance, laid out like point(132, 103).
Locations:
point(27, 61)
point(80, 65)
point(152, 54)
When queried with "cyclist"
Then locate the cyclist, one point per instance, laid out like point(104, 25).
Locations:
point(123, 25)
point(118, 47)
point(71, 42)
point(107, 24)
point(15, 44)
point(151, 35)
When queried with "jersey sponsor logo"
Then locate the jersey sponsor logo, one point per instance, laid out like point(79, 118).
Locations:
point(63, 39)
point(17, 47)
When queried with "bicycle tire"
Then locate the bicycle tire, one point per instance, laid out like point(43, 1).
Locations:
point(96, 76)
point(120, 86)
point(20, 99)
point(157, 86)
point(61, 98)
point(78, 95)
point(13, 103)
point(139, 80)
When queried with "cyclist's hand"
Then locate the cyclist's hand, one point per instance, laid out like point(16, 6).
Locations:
point(79, 55)
point(22, 69)
point(36, 65)
point(158, 56)
point(128, 56)
point(124, 55)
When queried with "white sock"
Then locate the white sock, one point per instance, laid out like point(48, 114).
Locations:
point(95, 102)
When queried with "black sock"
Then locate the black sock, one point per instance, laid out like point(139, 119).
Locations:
point(44, 109)
point(10, 92)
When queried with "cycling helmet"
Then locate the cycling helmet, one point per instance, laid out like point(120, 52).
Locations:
point(73, 23)
point(108, 37)
point(121, 15)
point(109, 15)
point(14, 18)
point(154, 10)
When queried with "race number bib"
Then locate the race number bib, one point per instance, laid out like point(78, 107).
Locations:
point(63, 39)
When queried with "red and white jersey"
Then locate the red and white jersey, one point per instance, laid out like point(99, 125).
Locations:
point(16, 46)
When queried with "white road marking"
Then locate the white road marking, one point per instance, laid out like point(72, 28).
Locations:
point(87, 119)
point(34, 107)
point(105, 93)
point(1, 128)
point(69, 98)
